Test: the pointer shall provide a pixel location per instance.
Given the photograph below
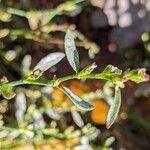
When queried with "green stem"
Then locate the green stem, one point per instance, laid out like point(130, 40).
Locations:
point(57, 81)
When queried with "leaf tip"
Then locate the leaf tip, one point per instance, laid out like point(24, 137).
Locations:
point(79, 102)
point(109, 124)
point(91, 107)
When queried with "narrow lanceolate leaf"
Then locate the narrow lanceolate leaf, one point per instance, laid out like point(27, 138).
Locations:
point(80, 103)
point(20, 105)
point(114, 109)
point(49, 61)
point(77, 118)
point(71, 51)
point(7, 91)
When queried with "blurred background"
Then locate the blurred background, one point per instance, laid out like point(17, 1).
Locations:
point(113, 32)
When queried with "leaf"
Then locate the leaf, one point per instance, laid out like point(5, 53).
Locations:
point(136, 75)
point(110, 70)
point(80, 103)
point(49, 61)
point(114, 108)
point(33, 23)
point(77, 118)
point(39, 122)
point(87, 70)
point(109, 141)
point(20, 105)
point(113, 74)
point(4, 16)
point(7, 91)
point(4, 32)
point(71, 51)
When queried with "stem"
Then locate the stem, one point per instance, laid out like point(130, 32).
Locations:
point(57, 81)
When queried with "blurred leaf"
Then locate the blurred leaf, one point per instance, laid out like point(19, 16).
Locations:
point(7, 91)
point(4, 32)
point(77, 118)
point(40, 17)
point(71, 133)
point(26, 63)
point(15, 11)
point(39, 122)
point(4, 16)
point(20, 105)
point(83, 147)
point(109, 141)
point(33, 22)
point(49, 61)
point(66, 7)
point(4, 133)
point(145, 37)
point(71, 51)
point(80, 103)
point(49, 131)
point(136, 75)
point(51, 14)
point(114, 108)
point(46, 16)
point(53, 114)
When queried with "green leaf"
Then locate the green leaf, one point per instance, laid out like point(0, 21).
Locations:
point(4, 16)
point(80, 103)
point(77, 118)
point(87, 70)
point(7, 91)
point(111, 70)
point(71, 51)
point(109, 141)
point(136, 75)
point(4, 32)
point(49, 61)
point(34, 75)
point(114, 108)
point(113, 74)
point(33, 23)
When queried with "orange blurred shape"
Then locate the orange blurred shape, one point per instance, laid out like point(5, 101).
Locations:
point(55, 144)
point(98, 115)
point(58, 144)
point(30, 147)
point(72, 142)
point(58, 96)
point(78, 87)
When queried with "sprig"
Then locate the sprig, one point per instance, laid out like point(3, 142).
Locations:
point(110, 73)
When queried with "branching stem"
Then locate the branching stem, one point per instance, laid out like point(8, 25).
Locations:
point(56, 81)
